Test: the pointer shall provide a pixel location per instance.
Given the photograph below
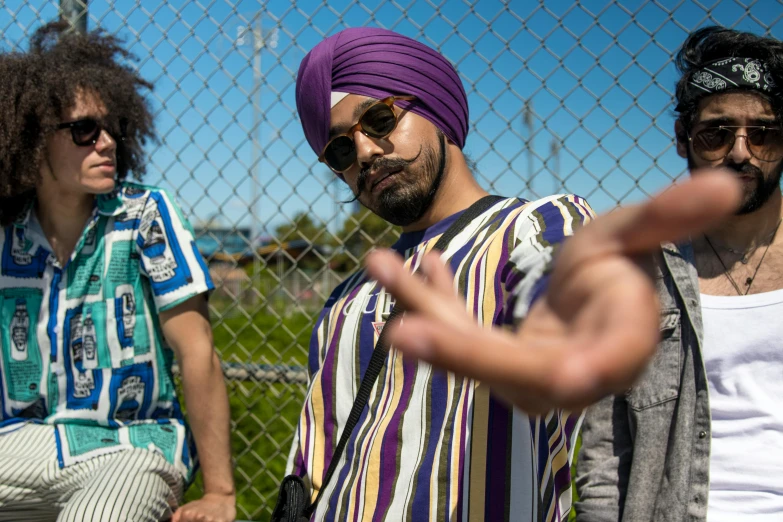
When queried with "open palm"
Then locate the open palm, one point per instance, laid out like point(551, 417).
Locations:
point(593, 330)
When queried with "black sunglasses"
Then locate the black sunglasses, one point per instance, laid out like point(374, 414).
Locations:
point(86, 131)
point(715, 143)
point(378, 121)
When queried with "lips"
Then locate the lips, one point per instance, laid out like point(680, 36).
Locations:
point(380, 176)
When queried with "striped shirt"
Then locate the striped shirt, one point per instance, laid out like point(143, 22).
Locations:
point(82, 346)
point(432, 445)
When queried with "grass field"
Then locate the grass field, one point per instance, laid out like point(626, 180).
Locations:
point(264, 415)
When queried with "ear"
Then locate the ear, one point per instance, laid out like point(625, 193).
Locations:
point(682, 139)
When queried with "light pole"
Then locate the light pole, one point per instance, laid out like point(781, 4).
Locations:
point(527, 119)
point(258, 43)
point(554, 151)
point(75, 12)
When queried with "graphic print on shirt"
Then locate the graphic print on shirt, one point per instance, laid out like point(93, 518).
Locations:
point(130, 391)
point(85, 271)
point(19, 257)
point(158, 438)
point(23, 366)
point(162, 254)
point(124, 294)
point(134, 200)
point(83, 384)
point(125, 314)
point(84, 439)
point(104, 353)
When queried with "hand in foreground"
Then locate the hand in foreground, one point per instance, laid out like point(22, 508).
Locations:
point(211, 507)
point(591, 333)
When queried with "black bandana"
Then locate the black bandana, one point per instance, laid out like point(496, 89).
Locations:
point(732, 73)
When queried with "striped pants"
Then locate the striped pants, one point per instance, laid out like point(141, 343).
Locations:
point(130, 485)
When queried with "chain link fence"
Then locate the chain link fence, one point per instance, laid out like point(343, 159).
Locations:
point(563, 96)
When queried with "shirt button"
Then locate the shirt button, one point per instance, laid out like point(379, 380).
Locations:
point(702, 434)
point(56, 329)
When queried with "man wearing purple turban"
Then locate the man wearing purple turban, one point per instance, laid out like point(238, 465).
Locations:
point(389, 116)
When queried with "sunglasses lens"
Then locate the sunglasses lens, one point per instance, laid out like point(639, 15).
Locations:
point(340, 154)
point(379, 120)
point(85, 132)
point(713, 143)
point(766, 144)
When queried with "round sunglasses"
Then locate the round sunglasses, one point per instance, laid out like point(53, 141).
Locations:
point(715, 143)
point(87, 131)
point(377, 121)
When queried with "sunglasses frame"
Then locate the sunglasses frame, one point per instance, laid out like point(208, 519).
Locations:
point(731, 128)
point(99, 127)
point(389, 102)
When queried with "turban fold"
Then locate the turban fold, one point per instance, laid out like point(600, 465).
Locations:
point(378, 63)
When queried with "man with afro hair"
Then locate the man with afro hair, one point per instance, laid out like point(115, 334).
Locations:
point(101, 286)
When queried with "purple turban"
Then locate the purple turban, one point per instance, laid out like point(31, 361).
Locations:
point(378, 63)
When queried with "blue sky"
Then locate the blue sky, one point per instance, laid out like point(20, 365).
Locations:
point(599, 80)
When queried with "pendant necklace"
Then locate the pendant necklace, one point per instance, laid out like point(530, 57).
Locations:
point(744, 260)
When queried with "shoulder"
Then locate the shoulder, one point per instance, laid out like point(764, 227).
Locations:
point(134, 191)
point(552, 217)
point(348, 286)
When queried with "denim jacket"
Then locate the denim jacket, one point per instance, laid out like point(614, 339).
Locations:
point(645, 454)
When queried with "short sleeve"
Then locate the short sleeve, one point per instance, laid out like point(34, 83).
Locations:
point(168, 255)
point(541, 231)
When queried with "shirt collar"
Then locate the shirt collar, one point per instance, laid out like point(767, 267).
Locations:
point(23, 218)
point(110, 204)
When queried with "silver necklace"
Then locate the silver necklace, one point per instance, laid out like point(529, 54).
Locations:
point(746, 254)
point(748, 281)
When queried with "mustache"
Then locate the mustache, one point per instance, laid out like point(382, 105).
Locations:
point(746, 169)
point(390, 164)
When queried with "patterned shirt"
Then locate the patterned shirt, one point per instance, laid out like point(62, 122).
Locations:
point(82, 346)
point(432, 445)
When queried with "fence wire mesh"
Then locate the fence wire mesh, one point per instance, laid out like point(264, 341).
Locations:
point(563, 96)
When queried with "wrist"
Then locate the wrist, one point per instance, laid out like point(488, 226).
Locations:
point(221, 493)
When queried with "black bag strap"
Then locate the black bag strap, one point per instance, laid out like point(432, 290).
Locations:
point(381, 351)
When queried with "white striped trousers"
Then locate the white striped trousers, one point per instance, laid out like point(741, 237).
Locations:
point(131, 485)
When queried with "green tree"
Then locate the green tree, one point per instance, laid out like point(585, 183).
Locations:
point(360, 233)
point(302, 226)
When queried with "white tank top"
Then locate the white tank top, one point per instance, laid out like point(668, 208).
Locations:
point(743, 356)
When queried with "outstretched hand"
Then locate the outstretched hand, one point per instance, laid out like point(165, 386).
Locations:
point(591, 333)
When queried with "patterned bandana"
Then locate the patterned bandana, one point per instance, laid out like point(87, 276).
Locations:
point(733, 73)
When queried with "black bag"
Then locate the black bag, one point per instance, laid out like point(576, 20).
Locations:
point(293, 499)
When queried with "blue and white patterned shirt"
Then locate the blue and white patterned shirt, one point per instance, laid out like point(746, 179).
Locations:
point(82, 346)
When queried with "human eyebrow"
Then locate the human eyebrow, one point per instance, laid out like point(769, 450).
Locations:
point(357, 113)
point(766, 122)
point(714, 122)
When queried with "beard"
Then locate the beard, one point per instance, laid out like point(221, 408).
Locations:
point(406, 201)
point(756, 194)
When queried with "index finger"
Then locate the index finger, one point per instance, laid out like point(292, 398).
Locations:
point(679, 212)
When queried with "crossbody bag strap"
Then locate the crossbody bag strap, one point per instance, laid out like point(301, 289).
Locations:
point(381, 350)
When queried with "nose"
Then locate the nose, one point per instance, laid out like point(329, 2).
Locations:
point(367, 149)
point(739, 152)
point(105, 142)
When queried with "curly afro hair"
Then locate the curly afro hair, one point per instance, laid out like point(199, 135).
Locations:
point(37, 88)
point(713, 43)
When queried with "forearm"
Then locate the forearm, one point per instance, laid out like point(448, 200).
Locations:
point(209, 416)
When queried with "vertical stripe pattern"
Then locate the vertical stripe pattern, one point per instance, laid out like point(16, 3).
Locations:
point(432, 445)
